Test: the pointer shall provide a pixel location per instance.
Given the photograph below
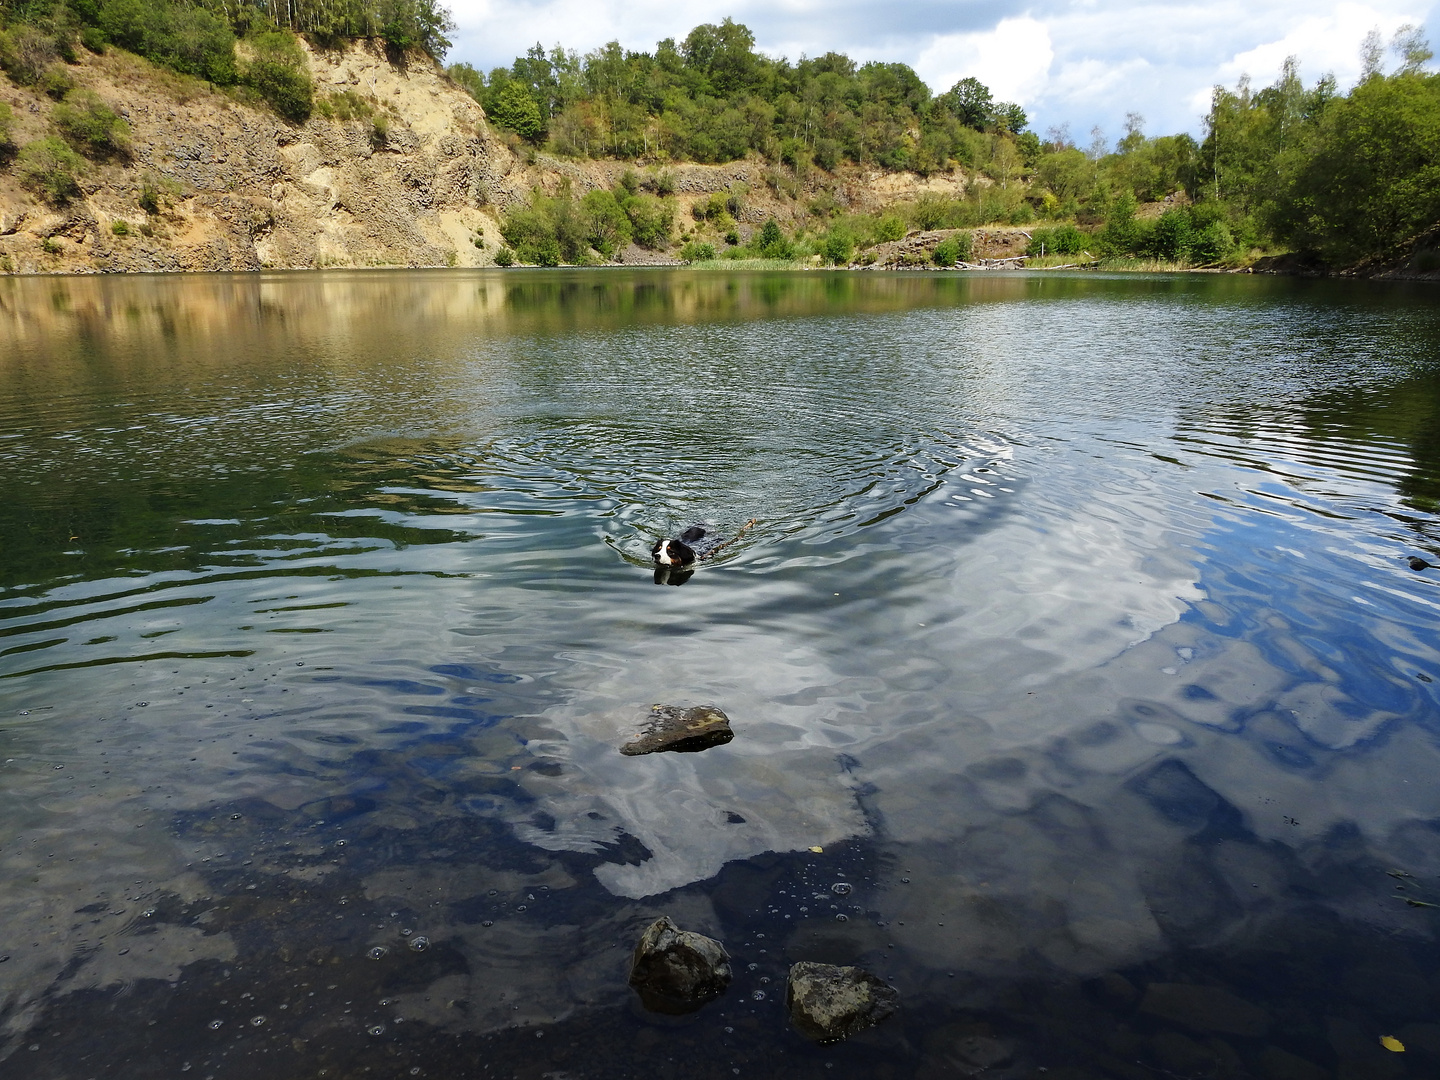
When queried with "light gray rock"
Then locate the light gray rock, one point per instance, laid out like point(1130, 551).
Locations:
point(676, 971)
point(682, 731)
point(829, 1003)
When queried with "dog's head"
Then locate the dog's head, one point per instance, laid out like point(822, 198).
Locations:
point(672, 553)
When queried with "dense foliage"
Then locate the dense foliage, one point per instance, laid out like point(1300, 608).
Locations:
point(713, 98)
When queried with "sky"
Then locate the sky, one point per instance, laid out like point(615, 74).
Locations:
point(1081, 63)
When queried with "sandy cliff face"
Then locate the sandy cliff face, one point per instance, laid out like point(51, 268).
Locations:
point(240, 189)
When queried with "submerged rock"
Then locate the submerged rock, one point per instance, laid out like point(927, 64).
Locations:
point(684, 731)
point(676, 971)
point(828, 1002)
point(1205, 1009)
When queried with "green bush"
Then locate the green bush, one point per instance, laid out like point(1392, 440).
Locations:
point(504, 257)
point(651, 219)
point(1212, 244)
point(120, 227)
point(771, 243)
point(91, 126)
point(51, 169)
point(838, 246)
point(889, 228)
point(696, 251)
point(277, 72)
point(26, 52)
point(7, 141)
point(1172, 236)
point(1061, 240)
point(56, 82)
point(952, 250)
point(608, 226)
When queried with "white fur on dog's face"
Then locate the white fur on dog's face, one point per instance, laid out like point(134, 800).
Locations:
point(663, 555)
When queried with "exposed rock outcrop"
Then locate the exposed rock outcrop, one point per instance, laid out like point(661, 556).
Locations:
point(680, 730)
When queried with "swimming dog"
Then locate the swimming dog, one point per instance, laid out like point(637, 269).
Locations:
point(668, 552)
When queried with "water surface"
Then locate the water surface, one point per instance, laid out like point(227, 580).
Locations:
point(1075, 632)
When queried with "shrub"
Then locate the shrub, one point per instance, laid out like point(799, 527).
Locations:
point(838, 247)
point(651, 219)
point(695, 251)
point(542, 251)
point(732, 238)
point(380, 131)
point(156, 193)
point(772, 243)
point(7, 142)
point(1173, 235)
point(1061, 240)
point(952, 250)
point(1213, 244)
point(91, 126)
point(278, 74)
point(51, 169)
point(608, 227)
point(120, 227)
point(56, 82)
point(26, 52)
point(504, 257)
point(889, 227)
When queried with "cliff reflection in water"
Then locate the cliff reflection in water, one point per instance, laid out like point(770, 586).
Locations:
point(1075, 632)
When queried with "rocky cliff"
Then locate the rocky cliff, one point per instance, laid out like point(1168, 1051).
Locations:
point(413, 177)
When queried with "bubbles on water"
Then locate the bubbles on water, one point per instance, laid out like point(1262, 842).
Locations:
point(420, 943)
point(216, 1025)
point(235, 817)
point(488, 922)
point(377, 952)
point(841, 888)
point(376, 1029)
point(406, 932)
point(842, 918)
point(257, 1021)
point(757, 995)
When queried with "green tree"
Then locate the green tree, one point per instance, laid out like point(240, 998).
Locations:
point(514, 108)
point(1369, 176)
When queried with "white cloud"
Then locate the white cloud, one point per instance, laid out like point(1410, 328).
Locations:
point(1013, 59)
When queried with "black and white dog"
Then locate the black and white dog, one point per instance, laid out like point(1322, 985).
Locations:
point(676, 553)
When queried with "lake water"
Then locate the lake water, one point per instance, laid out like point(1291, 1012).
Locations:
point(1075, 636)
